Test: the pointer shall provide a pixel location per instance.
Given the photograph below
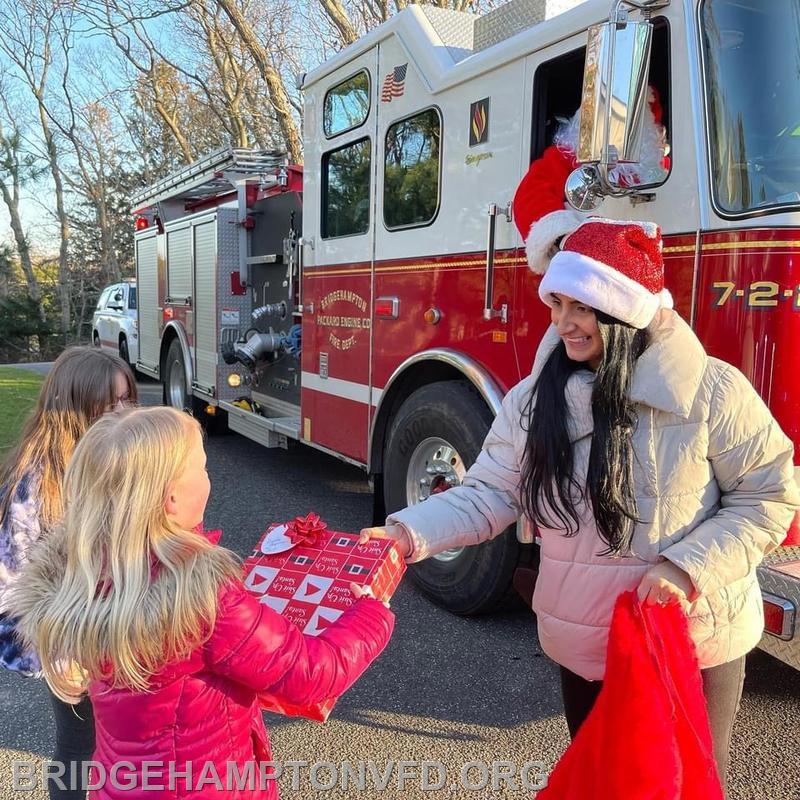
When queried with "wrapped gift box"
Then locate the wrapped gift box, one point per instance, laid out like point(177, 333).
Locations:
point(303, 571)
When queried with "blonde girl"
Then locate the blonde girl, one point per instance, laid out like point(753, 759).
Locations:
point(82, 384)
point(176, 651)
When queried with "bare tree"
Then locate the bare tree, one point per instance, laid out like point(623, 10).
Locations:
point(200, 86)
point(222, 73)
point(338, 15)
point(273, 79)
point(16, 169)
point(27, 32)
point(123, 25)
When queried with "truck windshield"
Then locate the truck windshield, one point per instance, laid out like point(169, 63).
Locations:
point(751, 51)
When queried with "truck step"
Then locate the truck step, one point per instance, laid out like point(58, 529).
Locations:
point(267, 431)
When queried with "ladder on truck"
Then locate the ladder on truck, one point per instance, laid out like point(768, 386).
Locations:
point(212, 175)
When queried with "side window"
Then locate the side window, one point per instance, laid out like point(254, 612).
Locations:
point(557, 89)
point(558, 85)
point(411, 170)
point(346, 105)
point(132, 298)
point(345, 189)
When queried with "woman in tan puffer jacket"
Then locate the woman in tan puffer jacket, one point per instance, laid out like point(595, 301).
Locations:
point(645, 463)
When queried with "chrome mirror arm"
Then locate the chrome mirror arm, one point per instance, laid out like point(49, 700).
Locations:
point(618, 14)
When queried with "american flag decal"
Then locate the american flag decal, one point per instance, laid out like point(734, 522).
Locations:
point(394, 84)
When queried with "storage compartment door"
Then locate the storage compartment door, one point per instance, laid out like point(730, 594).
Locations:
point(149, 311)
point(179, 265)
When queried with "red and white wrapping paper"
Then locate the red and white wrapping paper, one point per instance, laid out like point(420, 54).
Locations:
point(308, 581)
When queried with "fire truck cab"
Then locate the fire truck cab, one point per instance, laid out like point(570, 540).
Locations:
point(376, 304)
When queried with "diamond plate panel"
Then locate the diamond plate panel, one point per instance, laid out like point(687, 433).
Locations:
point(517, 15)
point(781, 555)
point(508, 20)
point(788, 588)
point(454, 28)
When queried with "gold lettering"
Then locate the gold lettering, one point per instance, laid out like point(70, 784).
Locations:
point(344, 295)
point(477, 158)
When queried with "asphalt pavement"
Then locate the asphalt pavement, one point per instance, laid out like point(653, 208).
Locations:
point(473, 695)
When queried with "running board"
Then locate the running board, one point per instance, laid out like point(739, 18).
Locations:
point(267, 431)
point(145, 370)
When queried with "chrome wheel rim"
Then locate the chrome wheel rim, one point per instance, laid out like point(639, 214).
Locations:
point(434, 467)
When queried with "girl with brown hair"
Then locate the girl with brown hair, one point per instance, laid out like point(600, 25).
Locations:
point(81, 386)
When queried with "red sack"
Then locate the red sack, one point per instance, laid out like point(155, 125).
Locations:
point(648, 735)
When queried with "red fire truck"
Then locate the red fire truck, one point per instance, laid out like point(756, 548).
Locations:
point(376, 305)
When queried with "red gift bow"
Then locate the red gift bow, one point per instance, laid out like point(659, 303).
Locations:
point(306, 530)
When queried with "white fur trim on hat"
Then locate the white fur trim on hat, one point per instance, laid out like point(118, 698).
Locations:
point(603, 288)
point(543, 237)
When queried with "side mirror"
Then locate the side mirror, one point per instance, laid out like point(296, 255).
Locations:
point(118, 297)
point(614, 96)
point(583, 189)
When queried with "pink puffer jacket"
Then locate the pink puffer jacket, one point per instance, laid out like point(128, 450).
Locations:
point(202, 715)
point(198, 731)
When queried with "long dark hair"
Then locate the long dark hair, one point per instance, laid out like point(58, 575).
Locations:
point(75, 393)
point(550, 490)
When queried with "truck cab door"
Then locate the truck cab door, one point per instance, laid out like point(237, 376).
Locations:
point(338, 249)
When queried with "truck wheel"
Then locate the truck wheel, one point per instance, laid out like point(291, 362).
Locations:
point(174, 378)
point(96, 339)
point(123, 352)
point(433, 440)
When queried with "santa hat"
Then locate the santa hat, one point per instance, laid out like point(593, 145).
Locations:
point(540, 197)
point(613, 267)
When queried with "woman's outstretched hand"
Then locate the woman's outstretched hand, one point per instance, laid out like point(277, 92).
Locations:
point(396, 532)
point(666, 583)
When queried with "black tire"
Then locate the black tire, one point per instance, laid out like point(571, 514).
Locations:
point(123, 352)
point(95, 339)
point(479, 579)
point(173, 379)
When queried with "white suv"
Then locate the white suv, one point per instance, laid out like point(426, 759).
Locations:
point(115, 325)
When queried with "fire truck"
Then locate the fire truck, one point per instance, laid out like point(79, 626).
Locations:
point(376, 305)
